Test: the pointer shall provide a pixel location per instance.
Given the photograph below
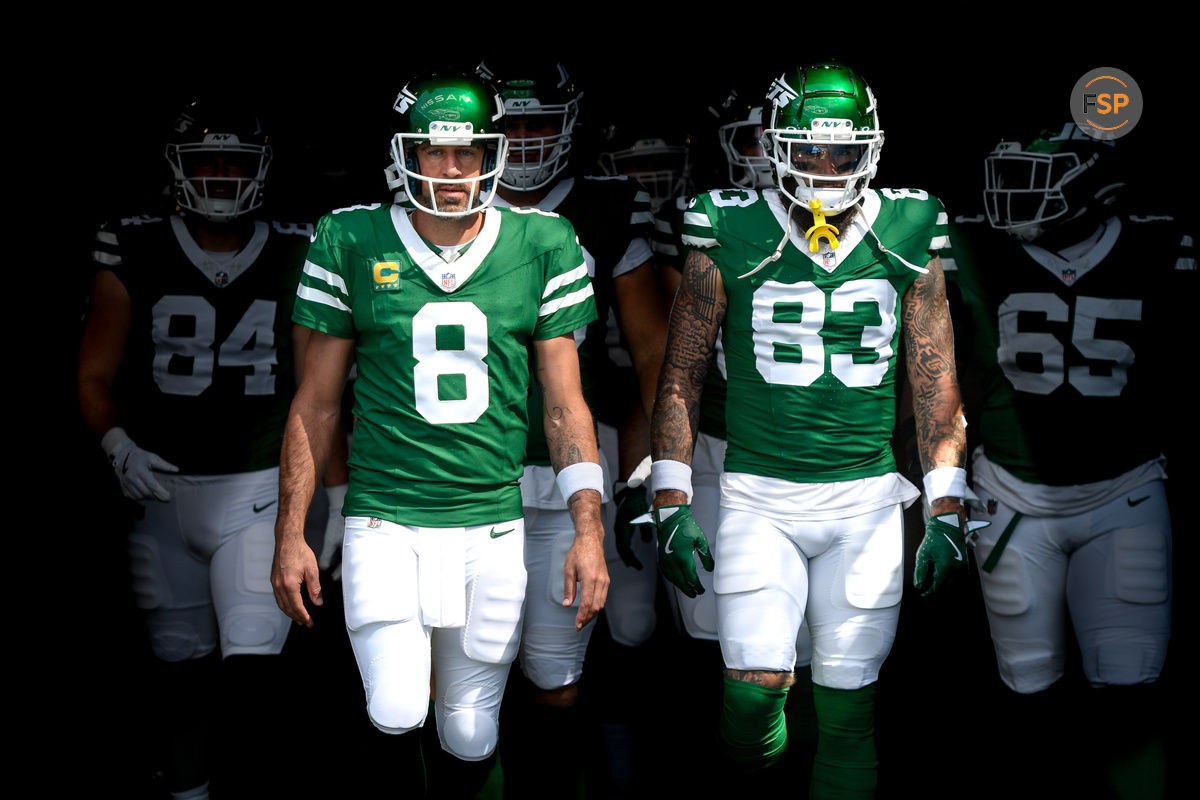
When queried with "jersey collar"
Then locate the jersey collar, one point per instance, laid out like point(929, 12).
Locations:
point(221, 271)
point(446, 276)
point(826, 258)
point(550, 202)
point(1072, 263)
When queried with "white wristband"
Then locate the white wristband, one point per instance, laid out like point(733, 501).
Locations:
point(667, 474)
point(945, 482)
point(583, 475)
point(113, 440)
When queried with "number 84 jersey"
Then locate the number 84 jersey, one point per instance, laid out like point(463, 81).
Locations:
point(207, 375)
point(811, 339)
point(1069, 356)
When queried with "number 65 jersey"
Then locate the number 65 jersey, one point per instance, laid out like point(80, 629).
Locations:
point(1069, 356)
point(811, 339)
point(442, 351)
point(207, 376)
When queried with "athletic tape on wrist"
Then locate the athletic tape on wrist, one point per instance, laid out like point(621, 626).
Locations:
point(945, 482)
point(583, 475)
point(667, 474)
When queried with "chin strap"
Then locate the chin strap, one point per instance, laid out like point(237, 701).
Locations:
point(820, 229)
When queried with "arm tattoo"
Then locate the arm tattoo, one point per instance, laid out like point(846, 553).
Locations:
point(929, 346)
point(696, 318)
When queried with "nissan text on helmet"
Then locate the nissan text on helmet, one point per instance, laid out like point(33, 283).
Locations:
point(823, 136)
point(545, 99)
point(449, 110)
point(219, 158)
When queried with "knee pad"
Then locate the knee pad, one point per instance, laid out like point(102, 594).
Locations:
point(395, 705)
point(847, 655)
point(253, 629)
point(469, 720)
point(1128, 658)
point(753, 726)
point(182, 635)
point(1027, 667)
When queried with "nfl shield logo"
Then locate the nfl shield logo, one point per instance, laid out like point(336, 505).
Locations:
point(221, 278)
point(374, 523)
point(449, 280)
point(1068, 276)
point(991, 506)
point(829, 259)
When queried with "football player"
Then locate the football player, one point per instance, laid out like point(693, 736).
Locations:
point(1063, 341)
point(813, 285)
point(441, 306)
point(611, 216)
point(185, 375)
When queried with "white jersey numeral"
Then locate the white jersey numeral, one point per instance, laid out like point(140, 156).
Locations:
point(736, 198)
point(805, 335)
point(1088, 311)
point(250, 344)
point(447, 370)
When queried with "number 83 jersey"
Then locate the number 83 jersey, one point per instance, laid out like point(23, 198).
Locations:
point(207, 375)
point(811, 339)
point(442, 349)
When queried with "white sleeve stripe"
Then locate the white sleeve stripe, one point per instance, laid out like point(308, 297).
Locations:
point(317, 296)
point(939, 242)
point(559, 281)
point(641, 196)
point(108, 259)
point(322, 274)
point(640, 218)
point(574, 298)
point(942, 218)
point(662, 225)
point(696, 218)
point(107, 237)
point(699, 241)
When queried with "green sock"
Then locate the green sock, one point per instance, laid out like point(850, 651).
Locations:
point(845, 767)
point(753, 726)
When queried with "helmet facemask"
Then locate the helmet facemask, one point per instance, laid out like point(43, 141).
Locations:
point(1024, 190)
point(201, 187)
point(741, 141)
point(660, 168)
point(535, 162)
point(422, 189)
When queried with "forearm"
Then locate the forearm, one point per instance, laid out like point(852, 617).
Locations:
point(307, 442)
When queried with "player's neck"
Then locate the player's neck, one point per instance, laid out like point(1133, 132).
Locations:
point(447, 231)
point(524, 199)
point(219, 237)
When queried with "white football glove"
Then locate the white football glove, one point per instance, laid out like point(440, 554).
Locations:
point(135, 467)
point(335, 526)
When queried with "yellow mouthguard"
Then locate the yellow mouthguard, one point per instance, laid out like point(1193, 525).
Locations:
point(820, 228)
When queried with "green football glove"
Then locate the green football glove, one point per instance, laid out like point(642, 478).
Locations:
point(678, 537)
point(943, 549)
point(632, 502)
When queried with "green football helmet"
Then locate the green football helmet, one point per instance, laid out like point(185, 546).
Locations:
point(823, 136)
point(450, 110)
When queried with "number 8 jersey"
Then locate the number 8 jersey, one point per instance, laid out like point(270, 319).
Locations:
point(442, 349)
point(811, 339)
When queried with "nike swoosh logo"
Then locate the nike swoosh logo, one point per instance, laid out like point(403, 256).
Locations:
point(957, 552)
point(667, 547)
point(258, 508)
point(1133, 503)
point(495, 534)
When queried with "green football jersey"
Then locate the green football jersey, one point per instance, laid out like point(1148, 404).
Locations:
point(442, 353)
point(811, 339)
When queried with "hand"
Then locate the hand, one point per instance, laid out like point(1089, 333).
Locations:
point(943, 549)
point(295, 564)
point(585, 566)
point(135, 467)
point(678, 537)
point(632, 502)
point(335, 528)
